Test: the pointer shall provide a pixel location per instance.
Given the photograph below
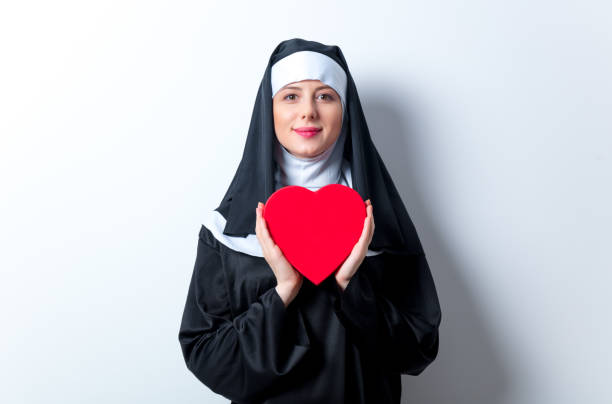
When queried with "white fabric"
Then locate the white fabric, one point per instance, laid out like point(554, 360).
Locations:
point(313, 172)
point(309, 65)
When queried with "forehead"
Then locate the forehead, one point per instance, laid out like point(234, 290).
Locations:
point(304, 84)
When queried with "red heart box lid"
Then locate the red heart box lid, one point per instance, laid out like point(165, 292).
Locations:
point(316, 231)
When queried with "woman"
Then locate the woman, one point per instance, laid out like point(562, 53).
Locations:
point(254, 330)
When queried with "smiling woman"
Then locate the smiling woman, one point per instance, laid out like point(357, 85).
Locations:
point(254, 329)
point(307, 117)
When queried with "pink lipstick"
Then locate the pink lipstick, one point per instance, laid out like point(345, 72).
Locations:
point(307, 131)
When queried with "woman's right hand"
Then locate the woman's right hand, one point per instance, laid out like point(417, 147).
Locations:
point(288, 279)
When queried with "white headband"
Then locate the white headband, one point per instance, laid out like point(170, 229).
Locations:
point(309, 65)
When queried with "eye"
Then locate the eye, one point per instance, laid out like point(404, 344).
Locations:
point(289, 95)
point(327, 97)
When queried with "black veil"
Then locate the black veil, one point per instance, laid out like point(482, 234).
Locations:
point(254, 178)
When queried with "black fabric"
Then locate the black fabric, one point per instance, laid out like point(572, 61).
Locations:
point(327, 346)
point(254, 178)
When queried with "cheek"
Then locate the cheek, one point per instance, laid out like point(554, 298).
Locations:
point(280, 121)
point(283, 118)
point(339, 118)
point(333, 117)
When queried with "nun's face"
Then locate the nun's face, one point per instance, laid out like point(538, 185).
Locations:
point(307, 117)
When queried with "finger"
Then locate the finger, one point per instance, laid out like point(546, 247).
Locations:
point(258, 226)
point(368, 218)
point(373, 222)
point(360, 245)
point(258, 222)
point(365, 231)
point(266, 234)
point(259, 232)
point(369, 226)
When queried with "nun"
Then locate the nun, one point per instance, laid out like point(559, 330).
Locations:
point(254, 330)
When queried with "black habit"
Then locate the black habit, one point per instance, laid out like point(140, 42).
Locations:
point(328, 346)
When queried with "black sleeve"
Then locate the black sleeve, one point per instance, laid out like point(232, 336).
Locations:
point(237, 356)
point(391, 308)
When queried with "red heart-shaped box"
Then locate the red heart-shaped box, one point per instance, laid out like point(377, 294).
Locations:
point(316, 231)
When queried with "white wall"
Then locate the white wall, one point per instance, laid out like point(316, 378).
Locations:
point(121, 123)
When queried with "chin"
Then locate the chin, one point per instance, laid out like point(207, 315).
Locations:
point(308, 153)
point(305, 152)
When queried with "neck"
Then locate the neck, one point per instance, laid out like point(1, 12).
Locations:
point(310, 172)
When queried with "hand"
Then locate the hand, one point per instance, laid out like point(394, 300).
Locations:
point(288, 279)
point(350, 266)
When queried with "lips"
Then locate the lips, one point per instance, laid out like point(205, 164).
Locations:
point(307, 131)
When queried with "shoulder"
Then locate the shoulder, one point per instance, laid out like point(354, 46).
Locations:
point(212, 234)
point(207, 238)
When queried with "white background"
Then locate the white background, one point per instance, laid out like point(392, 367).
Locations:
point(122, 124)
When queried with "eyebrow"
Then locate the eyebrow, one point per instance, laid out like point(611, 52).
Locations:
point(298, 88)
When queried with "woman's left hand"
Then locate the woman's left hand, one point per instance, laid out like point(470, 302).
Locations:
point(349, 267)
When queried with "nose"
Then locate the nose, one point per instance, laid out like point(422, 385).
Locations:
point(309, 109)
